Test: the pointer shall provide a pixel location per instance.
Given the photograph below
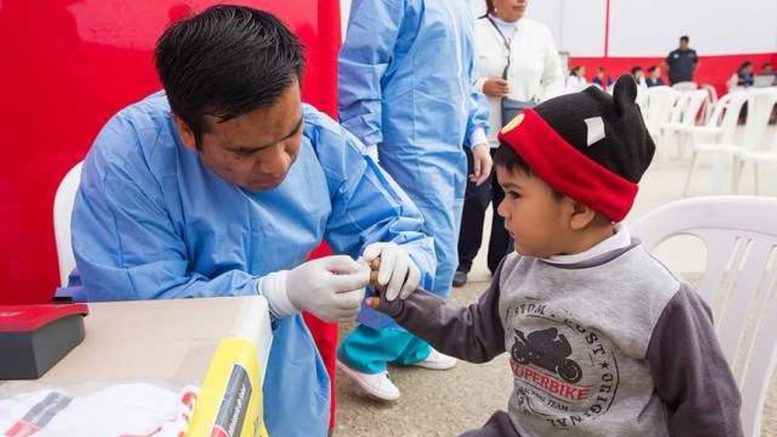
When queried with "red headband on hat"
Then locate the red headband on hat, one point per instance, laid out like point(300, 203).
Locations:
point(567, 169)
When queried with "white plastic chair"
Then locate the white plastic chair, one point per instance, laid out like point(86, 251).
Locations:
point(63, 210)
point(686, 86)
point(642, 98)
point(739, 282)
point(719, 135)
point(683, 118)
point(659, 102)
point(767, 155)
point(758, 147)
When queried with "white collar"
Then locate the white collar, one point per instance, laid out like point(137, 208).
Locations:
point(502, 22)
point(620, 239)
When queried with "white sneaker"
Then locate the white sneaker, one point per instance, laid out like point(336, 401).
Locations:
point(437, 361)
point(377, 385)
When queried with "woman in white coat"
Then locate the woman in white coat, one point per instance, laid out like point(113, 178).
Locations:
point(518, 60)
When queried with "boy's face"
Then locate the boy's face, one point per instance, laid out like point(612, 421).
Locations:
point(534, 217)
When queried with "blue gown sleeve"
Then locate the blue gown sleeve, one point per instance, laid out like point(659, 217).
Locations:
point(367, 205)
point(125, 243)
point(479, 108)
point(363, 60)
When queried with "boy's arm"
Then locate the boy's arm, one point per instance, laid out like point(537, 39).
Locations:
point(691, 374)
point(472, 333)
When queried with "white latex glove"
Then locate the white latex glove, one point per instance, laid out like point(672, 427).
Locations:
point(372, 151)
point(332, 288)
point(397, 269)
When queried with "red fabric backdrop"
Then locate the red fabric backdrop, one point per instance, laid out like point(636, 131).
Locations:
point(69, 65)
point(713, 70)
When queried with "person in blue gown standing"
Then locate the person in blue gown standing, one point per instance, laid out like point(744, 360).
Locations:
point(407, 89)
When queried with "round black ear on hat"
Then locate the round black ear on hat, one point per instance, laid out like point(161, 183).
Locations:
point(624, 94)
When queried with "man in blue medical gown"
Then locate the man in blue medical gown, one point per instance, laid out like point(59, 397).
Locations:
point(222, 184)
point(407, 90)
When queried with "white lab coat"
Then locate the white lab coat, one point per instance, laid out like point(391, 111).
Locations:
point(535, 68)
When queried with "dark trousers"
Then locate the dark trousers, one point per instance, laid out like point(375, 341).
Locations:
point(498, 425)
point(476, 202)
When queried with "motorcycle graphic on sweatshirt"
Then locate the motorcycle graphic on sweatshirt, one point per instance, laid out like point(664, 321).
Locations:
point(547, 349)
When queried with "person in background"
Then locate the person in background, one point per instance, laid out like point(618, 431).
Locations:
point(654, 77)
point(767, 69)
point(576, 80)
point(518, 61)
point(681, 63)
point(407, 89)
point(639, 75)
point(742, 78)
point(225, 182)
point(601, 79)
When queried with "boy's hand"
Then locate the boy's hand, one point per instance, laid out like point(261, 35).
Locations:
point(380, 302)
point(397, 274)
point(374, 302)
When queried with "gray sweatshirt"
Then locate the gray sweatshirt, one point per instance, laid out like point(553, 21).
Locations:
point(613, 346)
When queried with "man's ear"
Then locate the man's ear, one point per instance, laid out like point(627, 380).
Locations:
point(581, 216)
point(185, 133)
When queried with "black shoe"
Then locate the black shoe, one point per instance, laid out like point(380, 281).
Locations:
point(459, 278)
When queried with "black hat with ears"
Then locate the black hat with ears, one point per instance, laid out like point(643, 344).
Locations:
point(589, 145)
point(608, 129)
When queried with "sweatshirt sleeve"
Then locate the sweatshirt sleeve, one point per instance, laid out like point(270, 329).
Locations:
point(472, 333)
point(691, 374)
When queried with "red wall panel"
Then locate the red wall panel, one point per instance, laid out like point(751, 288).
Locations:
point(68, 66)
point(713, 70)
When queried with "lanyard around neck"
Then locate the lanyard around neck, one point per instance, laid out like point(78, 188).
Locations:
point(506, 43)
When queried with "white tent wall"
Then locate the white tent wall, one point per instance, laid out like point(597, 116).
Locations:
point(651, 28)
point(639, 32)
point(716, 27)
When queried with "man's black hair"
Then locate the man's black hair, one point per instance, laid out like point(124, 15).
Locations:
point(227, 61)
point(685, 38)
point(635, 69)
point(652, 68)
point(507, 158)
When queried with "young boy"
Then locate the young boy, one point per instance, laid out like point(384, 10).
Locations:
point(603, 339)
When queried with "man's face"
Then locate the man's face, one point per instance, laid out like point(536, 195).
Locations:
point(683, 44)
point(255, 150)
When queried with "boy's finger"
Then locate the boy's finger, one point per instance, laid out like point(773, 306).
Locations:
point(373, 302)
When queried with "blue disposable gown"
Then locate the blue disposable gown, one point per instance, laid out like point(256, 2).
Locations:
point(407, 77)
point(152, 222)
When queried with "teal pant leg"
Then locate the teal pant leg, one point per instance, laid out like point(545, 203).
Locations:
point(368, 350)
point(415, 351)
